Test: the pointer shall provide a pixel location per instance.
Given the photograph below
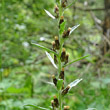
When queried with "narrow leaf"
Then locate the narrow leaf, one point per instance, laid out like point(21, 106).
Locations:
point(44, 48)
point(91, 109)
point(41, 108)
point(76, 60)
point(74, 83)
point(59, 84)
point(49, 14)
point(62, 27)
point(51, 59)
point(71, 4)
point(73, 28)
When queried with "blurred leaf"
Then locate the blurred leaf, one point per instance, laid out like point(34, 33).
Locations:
point(59, 84)
point(41, 108)
point(49, 14)
point(73, 28)
point(71, 4)
point(76, 60)
point(44, 48)
point(62, 27)
point(51, 59)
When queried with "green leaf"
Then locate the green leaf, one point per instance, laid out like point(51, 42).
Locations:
point(49, 14)
point(71, 4)
point(59, 84)
point(62, 27)
point(76, 60)
point(44, 48)
point(73, 28)
point(41, 108)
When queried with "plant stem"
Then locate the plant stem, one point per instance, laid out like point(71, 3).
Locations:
point(60, 100)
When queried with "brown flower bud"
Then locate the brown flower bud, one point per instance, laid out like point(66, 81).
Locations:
point(56, 10)
point(68, 31)
point(62, 74)
point(64, 34)
point(55, 59)
point(66, 107)
point(56, 103)
point(61, 20)
point(64, 3)
point(63, 54)
point(54, 80)
point(65, 91)
point(57, 43)
point(66, 58)
point(52, 103)
point(53, 46)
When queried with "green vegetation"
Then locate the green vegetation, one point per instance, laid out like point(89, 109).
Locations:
point(26, 72)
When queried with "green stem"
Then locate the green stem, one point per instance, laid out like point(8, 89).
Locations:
point(60, 100)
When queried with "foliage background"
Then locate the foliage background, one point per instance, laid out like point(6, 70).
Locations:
point(25, 69)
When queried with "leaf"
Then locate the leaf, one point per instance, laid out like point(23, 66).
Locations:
point(59, 84)
point(44, 48)
point(74, 83)
point(76, 60)
point(51, 59)
point(91, 109)
point(73, 28)
point(62, 27)
point(41, 108)
point(49, 14)
point(71, 4)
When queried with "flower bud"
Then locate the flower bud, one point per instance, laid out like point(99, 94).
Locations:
point(53, 46)
point(62, 74)
point(68, 31)
point(57, 44)
point(64, 34)
point(64, 3)
point(61, 20)
point(54, 80)
point(56, 10)
point(66, 58)
point(66, 107)
point(63, 54)
point(55, 59)
point(52, 103)
point(65, 91)
point(56, 103)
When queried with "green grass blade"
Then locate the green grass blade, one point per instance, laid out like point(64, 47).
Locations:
point(41, 108)
point(71, 4)
point(76, 60)
point(44, 48)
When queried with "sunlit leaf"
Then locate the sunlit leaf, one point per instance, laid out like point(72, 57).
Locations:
point(59, 84)
point(62, 27)
point(44, 48)
point(49, 14)
point(76, 60)
point(51, 59)
point(74, 83)
point(73, 28)
point(40, 108)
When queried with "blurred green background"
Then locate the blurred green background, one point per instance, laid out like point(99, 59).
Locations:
point(25, 69)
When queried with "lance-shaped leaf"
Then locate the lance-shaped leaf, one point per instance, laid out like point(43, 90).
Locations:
point(59, 84)
point(74, 83)
point(51, 59)
point(44, 48)
point(71, 4)
point(40, 108)
point(73, 28)
point(62, 27)
point(76, 60)
point(49, 14)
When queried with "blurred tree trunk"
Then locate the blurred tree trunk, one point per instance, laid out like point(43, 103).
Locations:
point(106, 27)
